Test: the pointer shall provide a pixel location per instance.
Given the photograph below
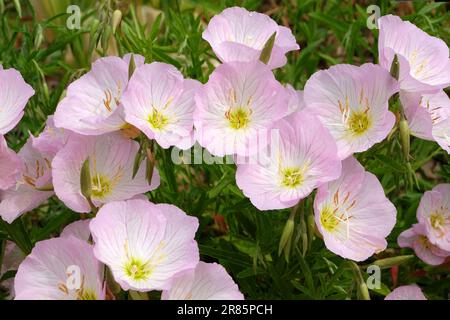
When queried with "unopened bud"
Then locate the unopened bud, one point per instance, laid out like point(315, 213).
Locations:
point(116, 19)
point(363, 291)
point(85, 180)
point(405, 138)
point(131, 66)
point(150, 165)
point(267, 50)
point(105, 37)
point(286, 236)
point(395, 68)
point(137, 163)
point(394, 261)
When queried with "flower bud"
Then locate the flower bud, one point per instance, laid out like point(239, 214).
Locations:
point(150, 165)
point(394, 261)
point(85, 180)
point(405, 138)
point(395, 68)
point(267, 50)
point(286, 236)
point(116, 19)
point(131, 66)
point(363, 291)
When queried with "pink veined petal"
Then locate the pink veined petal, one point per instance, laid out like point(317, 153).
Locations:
point(51, 140)
point(144, 244)
point(14, 95)
point(209, 281)
point(27, 193)
point(434, 214)
point(352, 106)
point(305, 149)
point(240, 102)
point(92, 105)
point(60, 269)
point(424, 59)
point(353, 213)
point(161, 103)
point(78, 229)
point(111, 159)
point(10, 165)
point(239, 35)
point(410, 292)
point(12, 258)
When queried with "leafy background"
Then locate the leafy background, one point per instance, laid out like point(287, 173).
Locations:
point(35, 40)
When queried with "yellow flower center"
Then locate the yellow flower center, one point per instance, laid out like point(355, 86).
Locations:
point(328, 219)
point(137, 270)
point(101, 186)
point(358, 123)
point(437, 220)
point(292, 177)
point(158, 120)
point(87, 295)
point(238, 118)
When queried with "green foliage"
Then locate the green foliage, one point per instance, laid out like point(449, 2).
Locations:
point(232, 231)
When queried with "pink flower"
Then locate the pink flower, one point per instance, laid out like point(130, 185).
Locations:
point(78, 229)
point(238, 35)
point(111, 158)
point(10, 165)
point(240, 102)
point(51, 140)
point(434, 214)
point(144, 244)
point(424, 61)
point(304, 157)
point(416, 239)
point(30, 189)
point(92, 105)
point(161, 104)
point(296, 101)
point(12, 258)
point(60, 269)
point(410, 292)
point(353, 214)
point(209, 281)
point(428, 116)
point(352, 102)
point(14, 95)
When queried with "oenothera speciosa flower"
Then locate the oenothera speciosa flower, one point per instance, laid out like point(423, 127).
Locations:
point(111, 158)
point(78, 229)
point(51, 140)
point(237, 107)
point(428, 116)
point(416, 239)
point(410, 292)
point(208, 281)
point(238, 35)
point(352, 102)
point(60, 269)
point(160, 102)
point(92, 105)
point(423, 59)
point(33, 184)
point(10, 165)
point(353, 213)
point(144, 244)
point(434, 214)
point(299, 159)
point(14, 95)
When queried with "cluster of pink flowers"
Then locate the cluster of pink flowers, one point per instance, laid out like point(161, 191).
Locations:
point(342, 111)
